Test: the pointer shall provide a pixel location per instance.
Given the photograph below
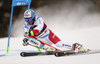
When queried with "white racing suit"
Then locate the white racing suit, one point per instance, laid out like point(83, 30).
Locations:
point(44, 34)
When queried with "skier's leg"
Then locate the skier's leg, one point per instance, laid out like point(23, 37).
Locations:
point(38, 44)
point(64, 44)
point(46, 47)
point(34, 42)
point(44, 37)
point(54, 39)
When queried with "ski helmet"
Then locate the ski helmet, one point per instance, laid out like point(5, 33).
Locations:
point(29, 15)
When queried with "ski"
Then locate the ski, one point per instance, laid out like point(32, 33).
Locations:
point(26, 54)
point(72, 53)
point(58, 54)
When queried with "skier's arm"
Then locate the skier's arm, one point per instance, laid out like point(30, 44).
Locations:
point(25, 35)
point(25, 30)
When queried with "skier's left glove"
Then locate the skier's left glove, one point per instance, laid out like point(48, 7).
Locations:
point(31, 30)
point(31, 33)
point(25, 43)
point(34, 32)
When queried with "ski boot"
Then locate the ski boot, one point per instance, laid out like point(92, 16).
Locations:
point(79, 48)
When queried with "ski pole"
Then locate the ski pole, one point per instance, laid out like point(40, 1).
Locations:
point(36, 47)
point(50, 45)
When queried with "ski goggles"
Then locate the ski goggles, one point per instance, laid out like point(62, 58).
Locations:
point(28, 19)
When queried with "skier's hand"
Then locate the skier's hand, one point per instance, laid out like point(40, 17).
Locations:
point(31, 30)
point(25, 43)
point(26, 34)
point(31, 33)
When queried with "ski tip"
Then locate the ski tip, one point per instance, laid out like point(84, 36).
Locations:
point(58, 54)
point(22, 54)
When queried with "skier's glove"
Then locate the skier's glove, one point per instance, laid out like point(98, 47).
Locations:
point(31, 33)
point(31, 30)
point(26, 34)
point(25, 43)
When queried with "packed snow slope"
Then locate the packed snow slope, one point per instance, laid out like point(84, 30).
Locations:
point(71, 23)
point(90, 38)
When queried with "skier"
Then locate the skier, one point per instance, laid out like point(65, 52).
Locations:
point(36, 27)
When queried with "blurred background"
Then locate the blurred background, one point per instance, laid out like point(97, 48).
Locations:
point(59, 15)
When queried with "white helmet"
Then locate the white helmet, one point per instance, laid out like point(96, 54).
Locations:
point(29, 15)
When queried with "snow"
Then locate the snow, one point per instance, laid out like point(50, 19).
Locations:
point(88, 37)
point(77, 24)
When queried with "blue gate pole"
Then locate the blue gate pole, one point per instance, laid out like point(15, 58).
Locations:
point(10, 30)
point(16, 3)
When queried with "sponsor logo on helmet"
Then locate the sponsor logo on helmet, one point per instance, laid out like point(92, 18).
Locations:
point(27, 15)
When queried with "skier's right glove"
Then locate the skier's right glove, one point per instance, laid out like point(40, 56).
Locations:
point(26, 34)
point(25, 43)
